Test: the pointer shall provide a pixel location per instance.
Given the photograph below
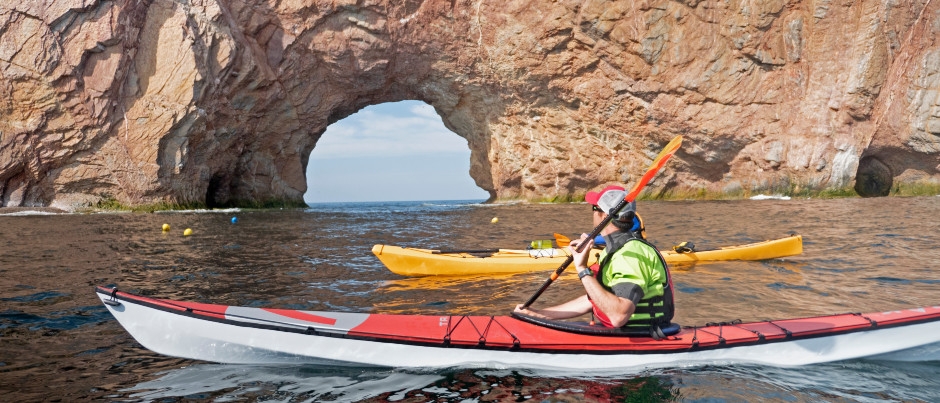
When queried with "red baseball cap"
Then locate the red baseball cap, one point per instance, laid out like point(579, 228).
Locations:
point(593, 197)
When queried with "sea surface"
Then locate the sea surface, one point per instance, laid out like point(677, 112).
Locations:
point(59, 343)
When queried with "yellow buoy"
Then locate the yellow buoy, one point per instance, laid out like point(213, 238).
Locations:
point(494, 220)
point(187, 232)
point(166, 227)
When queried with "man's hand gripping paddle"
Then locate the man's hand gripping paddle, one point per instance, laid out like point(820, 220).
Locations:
point(658, 163)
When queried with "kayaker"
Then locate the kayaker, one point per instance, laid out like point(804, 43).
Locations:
point(630, 286)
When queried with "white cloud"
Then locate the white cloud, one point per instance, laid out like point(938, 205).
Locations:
point(394, 129)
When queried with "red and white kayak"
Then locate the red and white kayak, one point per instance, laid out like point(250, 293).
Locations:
point(244, 335)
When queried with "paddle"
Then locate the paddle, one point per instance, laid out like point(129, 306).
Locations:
point(564, 241)
point(477, 251)
point(657, 164)
point(471, 251)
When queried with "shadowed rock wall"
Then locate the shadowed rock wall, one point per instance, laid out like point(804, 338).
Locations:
point(222, 101)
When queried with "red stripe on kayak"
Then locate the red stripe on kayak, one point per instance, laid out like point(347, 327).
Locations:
point(302, 316)
point(503, 331)
point(213, 310)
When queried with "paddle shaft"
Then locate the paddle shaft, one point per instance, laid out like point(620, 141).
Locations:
point(561, 269)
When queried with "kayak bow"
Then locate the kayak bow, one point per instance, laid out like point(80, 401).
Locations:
point(246, 335)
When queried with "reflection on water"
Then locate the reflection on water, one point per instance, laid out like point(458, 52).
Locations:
point(854, 381)
point(58, 343)
point(310, 384)
point(203, 381)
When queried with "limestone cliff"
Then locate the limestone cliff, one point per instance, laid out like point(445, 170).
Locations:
point(222, 101)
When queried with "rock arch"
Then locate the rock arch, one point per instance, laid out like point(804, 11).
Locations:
point(222, 101)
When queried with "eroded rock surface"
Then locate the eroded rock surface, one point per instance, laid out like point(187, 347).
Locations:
point(222, 101)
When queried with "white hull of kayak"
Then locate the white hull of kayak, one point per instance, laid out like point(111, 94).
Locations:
point(225, 341)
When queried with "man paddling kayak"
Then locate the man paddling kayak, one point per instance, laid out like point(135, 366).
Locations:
point(630, 286)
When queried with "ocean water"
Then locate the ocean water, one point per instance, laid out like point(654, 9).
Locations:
point(58, 343)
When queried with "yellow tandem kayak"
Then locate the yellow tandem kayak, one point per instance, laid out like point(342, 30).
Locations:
point(429, 262)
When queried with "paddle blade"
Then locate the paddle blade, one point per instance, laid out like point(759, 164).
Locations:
point(658, 163)
point(562, 240)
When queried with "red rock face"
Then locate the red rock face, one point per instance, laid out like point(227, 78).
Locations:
point(222, 101)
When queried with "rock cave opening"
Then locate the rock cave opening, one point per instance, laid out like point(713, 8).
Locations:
point(396, 151)
point(874, 178)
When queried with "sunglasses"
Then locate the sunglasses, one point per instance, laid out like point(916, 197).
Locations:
point(596, 208)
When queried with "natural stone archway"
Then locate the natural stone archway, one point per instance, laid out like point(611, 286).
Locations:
point(221, 101)
point(392, 152)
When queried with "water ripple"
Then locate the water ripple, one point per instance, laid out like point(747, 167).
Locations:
point(54, 333)
point(58, 320)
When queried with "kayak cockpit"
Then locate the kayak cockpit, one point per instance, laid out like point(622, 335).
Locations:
point(597, 330)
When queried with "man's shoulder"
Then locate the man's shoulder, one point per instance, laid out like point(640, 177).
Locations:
point(637, 244)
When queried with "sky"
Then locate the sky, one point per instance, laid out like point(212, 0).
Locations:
point(398, 151)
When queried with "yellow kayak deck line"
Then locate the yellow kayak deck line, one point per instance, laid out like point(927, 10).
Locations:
point(430, 262)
